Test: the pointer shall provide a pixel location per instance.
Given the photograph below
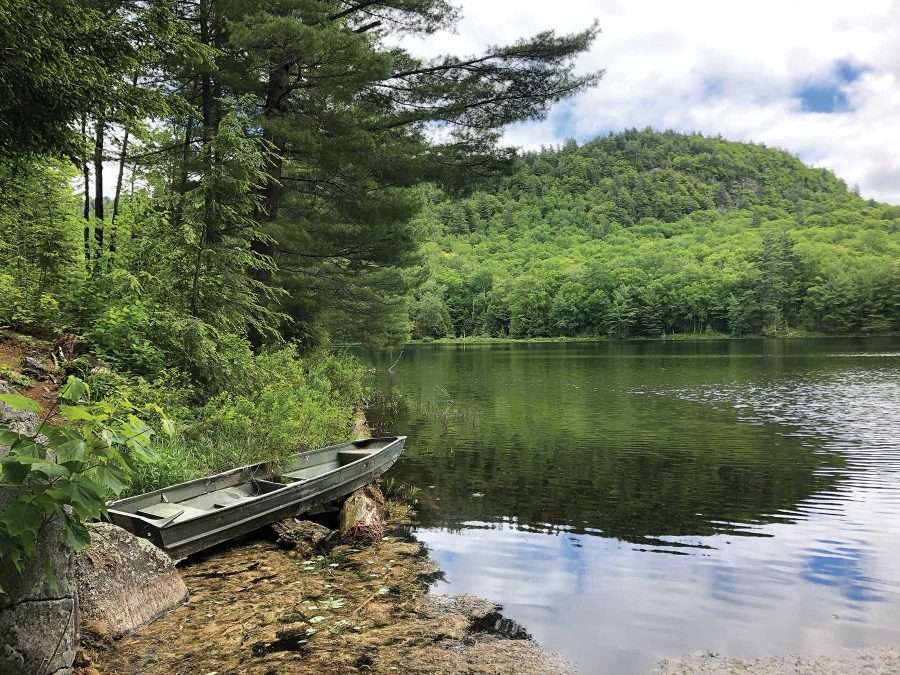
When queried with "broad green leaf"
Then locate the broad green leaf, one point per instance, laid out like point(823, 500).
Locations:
point(76, 413)
point(50, 469)
point(110, 438)
point(57, 436)
point(112, 478)
point(76, 535)
point(8, 437)
point(19, 402)
point(74, 450)
point(22, 518)
point(14, 472)
point(28, 448)
point(168, 426)
point(74, 390)
point(26, 460)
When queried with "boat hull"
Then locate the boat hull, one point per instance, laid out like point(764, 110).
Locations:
point(276, 501)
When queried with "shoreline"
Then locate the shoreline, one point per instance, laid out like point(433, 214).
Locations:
point(257, 608)
point(705, 337)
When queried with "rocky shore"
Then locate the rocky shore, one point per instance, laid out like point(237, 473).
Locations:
point(305, 604)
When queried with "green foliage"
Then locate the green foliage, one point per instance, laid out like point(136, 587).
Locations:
point(652, 234)
point(38, 245)
point(285, 404)
point(13, 377)
point(66, 472)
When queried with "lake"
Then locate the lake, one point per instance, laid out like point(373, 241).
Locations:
point(628, 501)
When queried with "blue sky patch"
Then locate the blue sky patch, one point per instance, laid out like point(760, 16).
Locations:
point(827, 95)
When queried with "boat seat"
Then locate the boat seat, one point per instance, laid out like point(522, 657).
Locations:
point(219, 499)
point(167, 510)
point(347, 456)
point(266, 486)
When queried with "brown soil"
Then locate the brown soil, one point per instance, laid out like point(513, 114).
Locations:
point(13, 348)
point(257, 609)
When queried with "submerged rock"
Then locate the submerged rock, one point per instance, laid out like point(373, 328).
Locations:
point(124, 582)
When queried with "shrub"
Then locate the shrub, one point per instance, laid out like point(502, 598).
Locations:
point(70, 475)
point(287, 404)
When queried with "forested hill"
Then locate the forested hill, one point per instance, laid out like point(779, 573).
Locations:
point(645, 234)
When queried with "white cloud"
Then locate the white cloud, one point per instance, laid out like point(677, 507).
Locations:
point(719, 68)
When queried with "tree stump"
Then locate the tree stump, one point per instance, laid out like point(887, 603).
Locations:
point(362, 516)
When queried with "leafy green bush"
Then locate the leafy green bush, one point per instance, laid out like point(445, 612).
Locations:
point(128, 336)
point(70, 475)
point(176, 461)
point(286, 404)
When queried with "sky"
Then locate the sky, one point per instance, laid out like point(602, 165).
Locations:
point(816, 78)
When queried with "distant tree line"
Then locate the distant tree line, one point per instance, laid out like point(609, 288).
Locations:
point(649, 234)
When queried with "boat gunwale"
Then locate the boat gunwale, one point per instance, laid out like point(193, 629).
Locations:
point(154, 522)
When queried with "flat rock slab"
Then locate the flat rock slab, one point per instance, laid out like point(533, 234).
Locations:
point(124, 582)
point(885, 661)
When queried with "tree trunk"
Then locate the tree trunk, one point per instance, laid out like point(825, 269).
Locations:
point(86, 211)
point(112, 224)
point(122, 156)
point(100, 131)
point(277, 89)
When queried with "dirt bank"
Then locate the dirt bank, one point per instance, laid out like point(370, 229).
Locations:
point(256, 608)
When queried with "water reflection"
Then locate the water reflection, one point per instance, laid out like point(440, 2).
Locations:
point(768, 469)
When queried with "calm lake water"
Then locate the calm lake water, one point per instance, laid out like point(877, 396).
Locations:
point(631, 501)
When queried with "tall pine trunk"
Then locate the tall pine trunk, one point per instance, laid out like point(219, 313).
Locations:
point(86, 211)
point(100, 131)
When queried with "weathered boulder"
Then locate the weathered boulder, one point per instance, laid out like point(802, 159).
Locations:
point(38, 612)
point(362, 515)
point(124, 582)
point(38, 368)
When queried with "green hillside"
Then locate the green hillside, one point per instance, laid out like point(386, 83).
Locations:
point(646, 234)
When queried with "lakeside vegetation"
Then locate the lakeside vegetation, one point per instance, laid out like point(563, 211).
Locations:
point(201, 196)
point(204, 197)
point(649, 234)
point(796, 334)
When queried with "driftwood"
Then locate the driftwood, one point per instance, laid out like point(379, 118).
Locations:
point(362, 515)
point(303, 536)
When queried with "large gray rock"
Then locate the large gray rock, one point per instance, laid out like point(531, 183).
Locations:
point(39, 613)
point(124, 582)
point(18, 420)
